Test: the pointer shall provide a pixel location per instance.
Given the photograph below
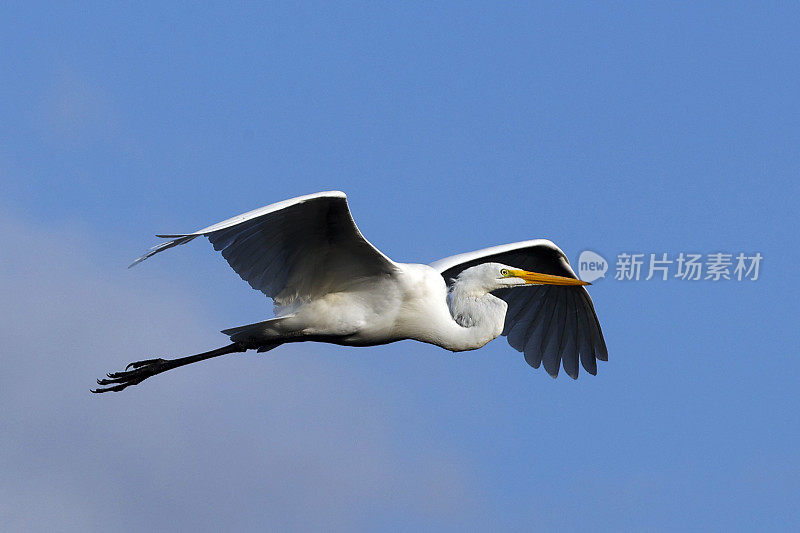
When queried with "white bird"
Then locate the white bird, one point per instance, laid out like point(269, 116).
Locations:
point(329, 284)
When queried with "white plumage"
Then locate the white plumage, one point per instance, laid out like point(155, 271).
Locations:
point(330, 284)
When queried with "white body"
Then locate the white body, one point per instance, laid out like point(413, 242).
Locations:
point(413, 304)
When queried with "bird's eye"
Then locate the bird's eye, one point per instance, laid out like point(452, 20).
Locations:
point(503, 272)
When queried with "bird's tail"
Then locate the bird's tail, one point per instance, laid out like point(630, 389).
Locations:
point(264, 335)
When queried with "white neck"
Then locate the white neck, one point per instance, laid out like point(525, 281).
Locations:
point(477, 318)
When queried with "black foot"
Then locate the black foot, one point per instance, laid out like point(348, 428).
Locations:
point(140, 371)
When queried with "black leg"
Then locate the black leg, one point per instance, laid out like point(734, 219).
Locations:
point(139, 371)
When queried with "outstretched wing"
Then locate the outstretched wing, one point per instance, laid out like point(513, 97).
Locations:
point(299, 248)
point(550, 324)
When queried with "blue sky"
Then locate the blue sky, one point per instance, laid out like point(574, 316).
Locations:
point(616, 128)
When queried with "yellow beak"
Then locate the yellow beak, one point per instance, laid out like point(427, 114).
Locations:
point(546, 279)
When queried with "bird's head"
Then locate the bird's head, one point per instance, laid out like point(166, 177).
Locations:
point(488, 277)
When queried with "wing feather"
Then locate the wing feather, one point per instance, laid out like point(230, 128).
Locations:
point(549, 349)
point(299, 248)
point(598, 342)
point(585, 339)
point(518, 301)
point(535, 329)
point(520, 327)
point(569, 353)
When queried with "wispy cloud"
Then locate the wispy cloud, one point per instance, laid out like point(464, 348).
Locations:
point(291, 441)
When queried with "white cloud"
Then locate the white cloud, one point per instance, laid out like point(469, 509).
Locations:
point(292, 440)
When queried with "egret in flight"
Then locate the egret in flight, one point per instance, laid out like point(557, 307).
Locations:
point(329, 284)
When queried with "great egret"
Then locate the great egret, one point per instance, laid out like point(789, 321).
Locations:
point(329, 284)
